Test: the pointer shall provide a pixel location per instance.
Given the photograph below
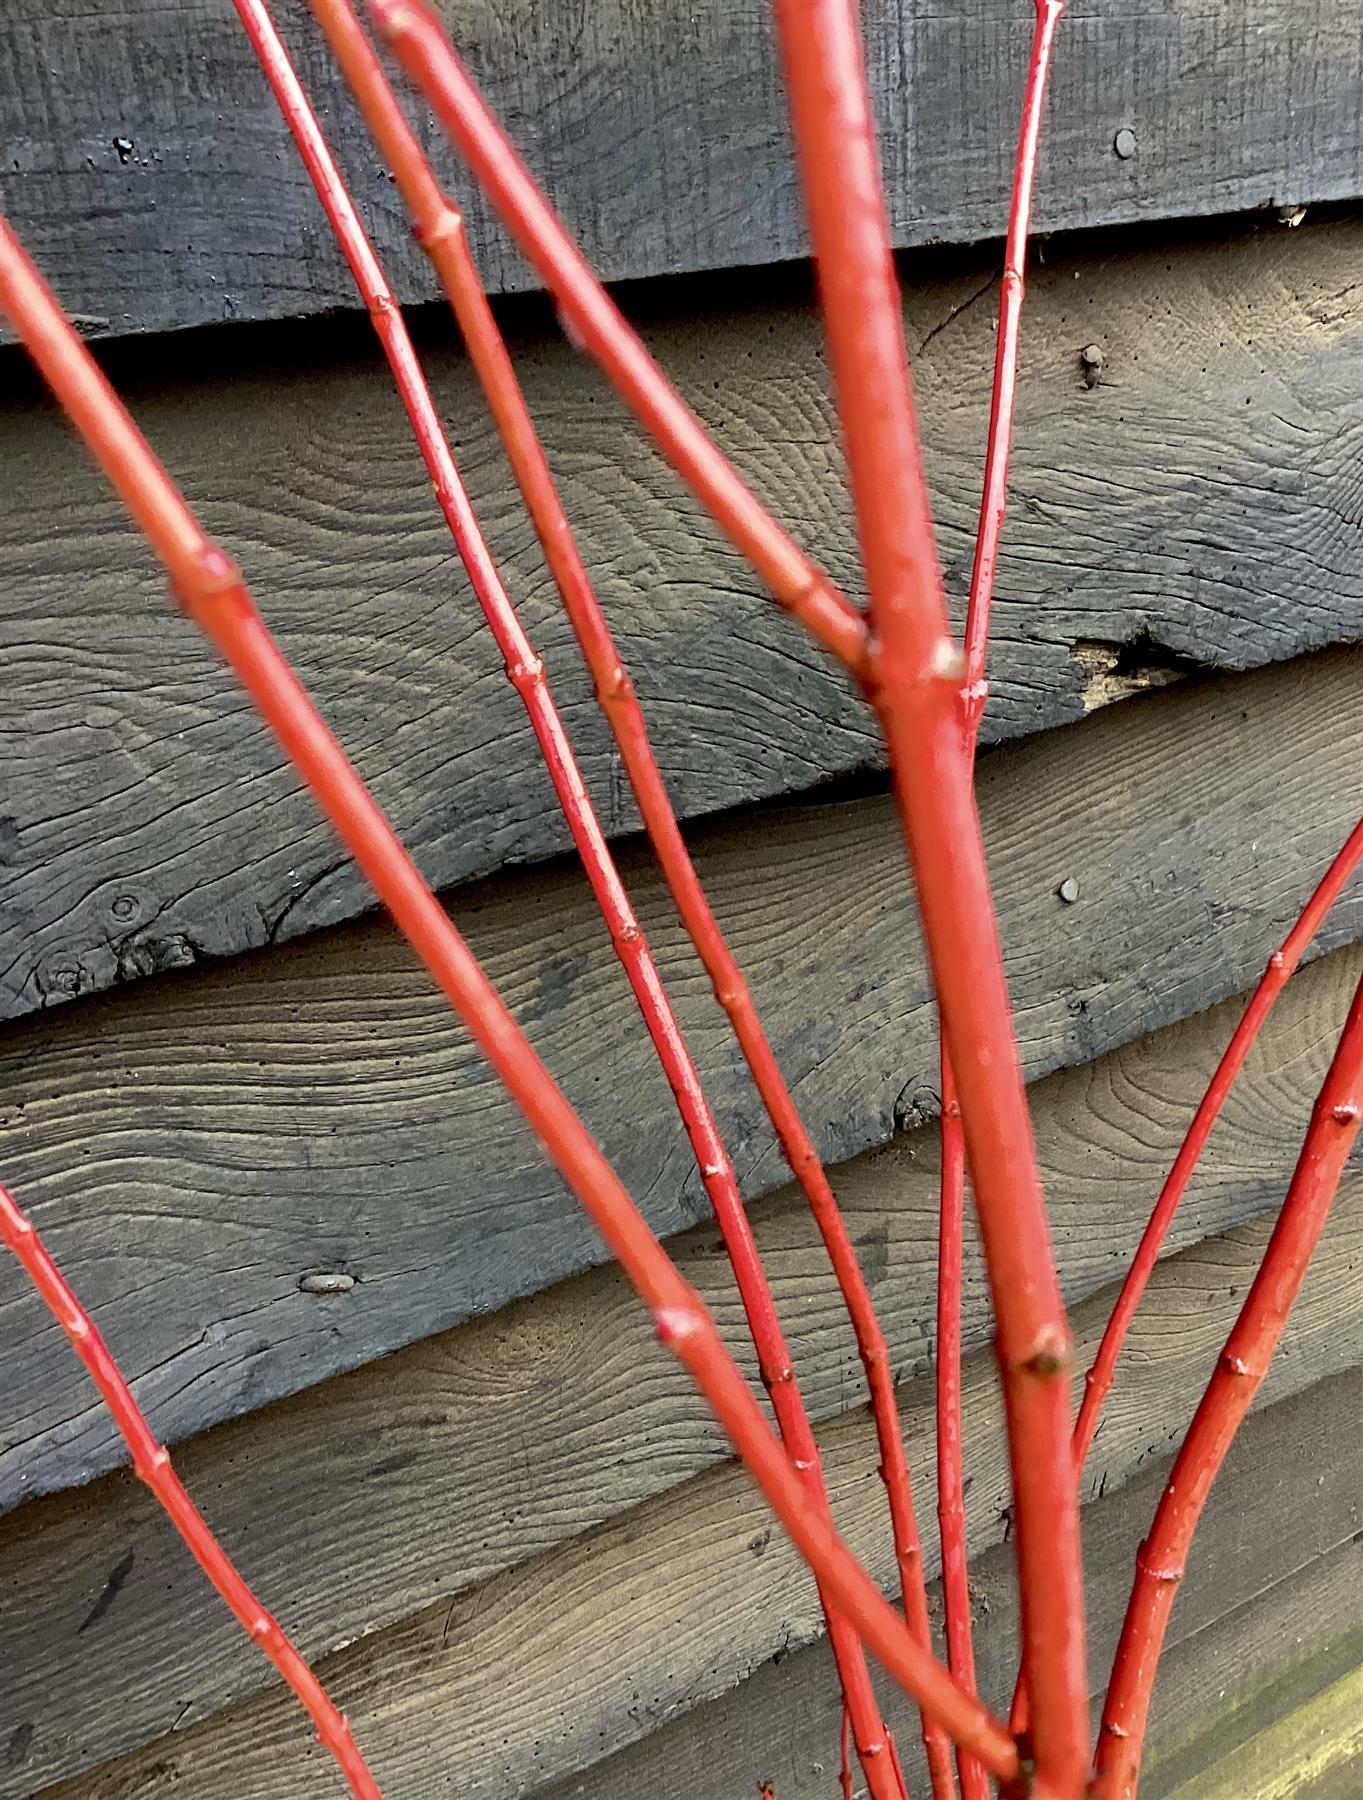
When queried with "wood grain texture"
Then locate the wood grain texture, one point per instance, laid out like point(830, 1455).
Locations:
point(577, 1653)
point(1277, 1548)
point(355, 1503)
point(149, 170)
point(1280, 1680)
point(194, 1151)
point(1198, 508)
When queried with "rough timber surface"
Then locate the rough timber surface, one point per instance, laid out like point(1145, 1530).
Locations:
point(195, 1149)
point(516, 1682)
point(150, 172)
point(1199, 507)
point(1273, 1580)
point(414, 1475)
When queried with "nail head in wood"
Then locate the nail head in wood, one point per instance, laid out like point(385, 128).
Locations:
point(327, 1284)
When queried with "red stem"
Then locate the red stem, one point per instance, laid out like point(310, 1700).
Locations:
point(212, 592)
point(950, 1470)
point(1239, 1371)
point(151, 1463)
point(421, 46)
point(439, 229)
point(1281, 965)
point(993, 502)
point(1012, 293)
point(919, 706)
point(527, 673)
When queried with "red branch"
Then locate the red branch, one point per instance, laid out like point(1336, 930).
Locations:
point(439, 228)
point(211, 590)
point(919, 706)
point(527, 673)
point(151, 1463)
point(951, 1215)
point(1282, 963)
point(1240, 1369)
point(597, 325)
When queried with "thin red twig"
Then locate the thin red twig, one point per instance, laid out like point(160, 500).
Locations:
point(596, 323)
point(950, 1465)
point(527, 673)
point(439, 228)
point(1013, 290)
point(211, 590)
point(1240, 1369)
point(151, 1463)
point(1282, 963)
point(951, 1217)
point(919, 706)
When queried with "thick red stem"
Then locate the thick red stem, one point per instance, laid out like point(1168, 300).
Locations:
point(595, 322)
point(212, 592)
point(151, 1463)
point(918, 701)
point(1239, 1371)
point(527, 673)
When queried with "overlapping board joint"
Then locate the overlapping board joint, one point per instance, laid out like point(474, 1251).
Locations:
point(926, 699)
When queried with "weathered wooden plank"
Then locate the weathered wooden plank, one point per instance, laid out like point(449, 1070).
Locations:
point(1275, 1545)
point(1254, 1664)
point(148, 167)
point(696, 1587)
point(1199, 505)
point(193, 1151)
point(411, 1476)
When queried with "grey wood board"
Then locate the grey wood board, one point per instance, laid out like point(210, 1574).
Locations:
point(521, 1680)
point(149, 171)
point(194, 1150)
point(1197, 508)
point(1248, 1675)
point(1270, 1529)
point(435, 1469)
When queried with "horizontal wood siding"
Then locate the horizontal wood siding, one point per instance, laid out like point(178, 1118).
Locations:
point(1195, 509)
point(149, 170)
point(471, 1484)
point(196, 1149)
point(588, 1648)
point(440, 1467)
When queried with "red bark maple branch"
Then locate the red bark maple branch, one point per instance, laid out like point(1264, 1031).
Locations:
point(151, 1464)
point(918, 701)
point(632, 948)
point(212, 592)
point(1240, 1369)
